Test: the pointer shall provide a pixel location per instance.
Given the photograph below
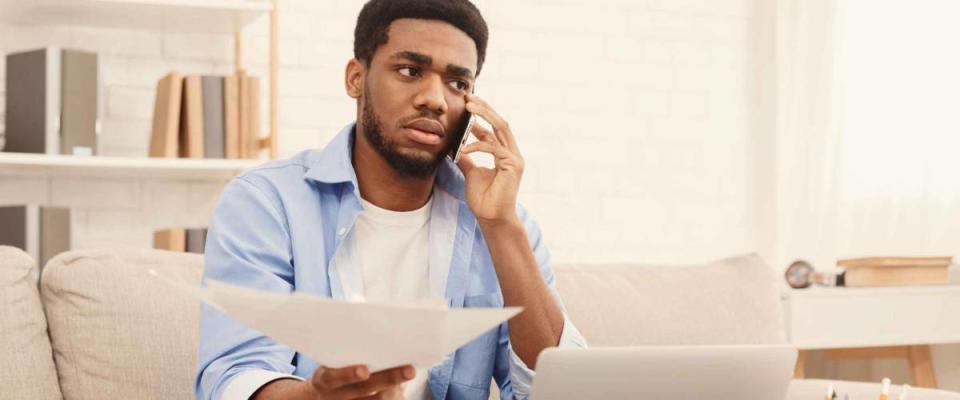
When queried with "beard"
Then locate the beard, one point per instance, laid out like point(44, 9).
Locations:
point(404, 164)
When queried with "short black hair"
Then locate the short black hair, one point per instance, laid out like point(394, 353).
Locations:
point(377, 15)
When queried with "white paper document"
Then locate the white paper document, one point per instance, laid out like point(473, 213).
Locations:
point(338, 334)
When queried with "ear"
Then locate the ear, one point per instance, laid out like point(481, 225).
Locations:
point(354, 78)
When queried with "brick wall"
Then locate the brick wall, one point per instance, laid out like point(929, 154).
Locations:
point(635, 118)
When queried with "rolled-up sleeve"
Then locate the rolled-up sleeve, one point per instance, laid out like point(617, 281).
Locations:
point(521, 376)
point(513, 375)
point(248, 245)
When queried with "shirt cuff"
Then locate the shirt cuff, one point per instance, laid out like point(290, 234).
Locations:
point(521, 376)
point(246, 383)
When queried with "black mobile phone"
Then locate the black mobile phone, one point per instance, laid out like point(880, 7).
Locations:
point(463, 133)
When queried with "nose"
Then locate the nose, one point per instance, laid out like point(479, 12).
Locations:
point(431, 96)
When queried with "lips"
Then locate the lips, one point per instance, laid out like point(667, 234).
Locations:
point(428, 126)
point(425, 131)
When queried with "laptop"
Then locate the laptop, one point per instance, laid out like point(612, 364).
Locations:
point(736, 372)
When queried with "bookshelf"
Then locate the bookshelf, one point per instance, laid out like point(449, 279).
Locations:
point(200, 16)
point(46, 165)
point(197, 16)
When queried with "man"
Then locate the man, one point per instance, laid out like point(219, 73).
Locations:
point(382, 213)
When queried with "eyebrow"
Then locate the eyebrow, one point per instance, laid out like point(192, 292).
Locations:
point(425, 60)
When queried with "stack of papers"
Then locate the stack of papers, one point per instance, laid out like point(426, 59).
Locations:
point(338, 334)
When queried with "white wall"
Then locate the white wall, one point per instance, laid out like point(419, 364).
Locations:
point(634, 117)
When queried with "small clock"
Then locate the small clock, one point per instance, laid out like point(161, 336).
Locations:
point(799, 274)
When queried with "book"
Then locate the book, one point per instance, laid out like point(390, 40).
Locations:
point(253, 117)
point(51, 105)
point(895, 271)
point(231, 116)
point(173, 239)
point(42, 232)
point(894, 262)
point(244, 105)
point(166, 117)
point(196, 240)
point(213, 121)
point(78, 113)
point(191, 118)
point(864, 276)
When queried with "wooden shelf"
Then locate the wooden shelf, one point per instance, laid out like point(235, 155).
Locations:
point(23, 164)
point(206, 16)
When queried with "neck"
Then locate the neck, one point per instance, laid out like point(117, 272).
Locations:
point(381, 185)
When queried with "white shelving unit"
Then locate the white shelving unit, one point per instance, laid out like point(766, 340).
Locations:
point(197, 16)
point(208, 16)
point(43, 165)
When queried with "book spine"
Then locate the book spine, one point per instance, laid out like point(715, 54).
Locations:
point(213, 132)
point(53, 100)
point(166, 117)
point(28, 92)
point(191, 126)
point(231, 116)
point(54, 233)
point(79, 90)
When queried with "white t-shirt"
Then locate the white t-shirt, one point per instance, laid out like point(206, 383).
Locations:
point(391, 250)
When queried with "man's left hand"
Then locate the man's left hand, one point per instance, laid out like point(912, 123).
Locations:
point(492, 193)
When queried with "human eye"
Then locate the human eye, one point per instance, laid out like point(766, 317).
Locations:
point(408, 71)
point(459, 85)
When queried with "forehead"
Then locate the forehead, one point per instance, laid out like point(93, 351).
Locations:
point(438, 39)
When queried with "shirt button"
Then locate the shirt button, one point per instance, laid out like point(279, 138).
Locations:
point(341, 231)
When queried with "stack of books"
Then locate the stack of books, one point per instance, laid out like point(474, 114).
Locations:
point(895, 271)
point(190, 240)
point(206, 116)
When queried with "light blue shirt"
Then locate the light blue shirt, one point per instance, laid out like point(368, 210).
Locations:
point(277, 228)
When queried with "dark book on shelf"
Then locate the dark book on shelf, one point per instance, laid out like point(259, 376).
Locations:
point(196, 240)
point(42, 232)
point(51, 105)
point(213, 133)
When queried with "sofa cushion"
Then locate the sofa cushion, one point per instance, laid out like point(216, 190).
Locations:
point(26, 363)
point(730, 301)
point(117, 332)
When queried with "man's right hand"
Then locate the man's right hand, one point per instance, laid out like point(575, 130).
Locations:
point(349, 383)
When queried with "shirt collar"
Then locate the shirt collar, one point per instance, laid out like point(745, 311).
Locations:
point(333, 164)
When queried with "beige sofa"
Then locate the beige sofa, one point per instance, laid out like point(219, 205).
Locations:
point(100, 328)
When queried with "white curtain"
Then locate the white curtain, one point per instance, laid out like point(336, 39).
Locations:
point(866, 140)
point(806, 135)
point(867, 132)
point(899, 69)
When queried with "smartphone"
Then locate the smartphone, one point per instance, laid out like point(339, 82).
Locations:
point(463, 133)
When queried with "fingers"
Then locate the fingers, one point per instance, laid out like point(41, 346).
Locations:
point(484, 134)
point(495, 149)
point(466, 164)
point(501, 129)
point(378, 382)
point(334, 378)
